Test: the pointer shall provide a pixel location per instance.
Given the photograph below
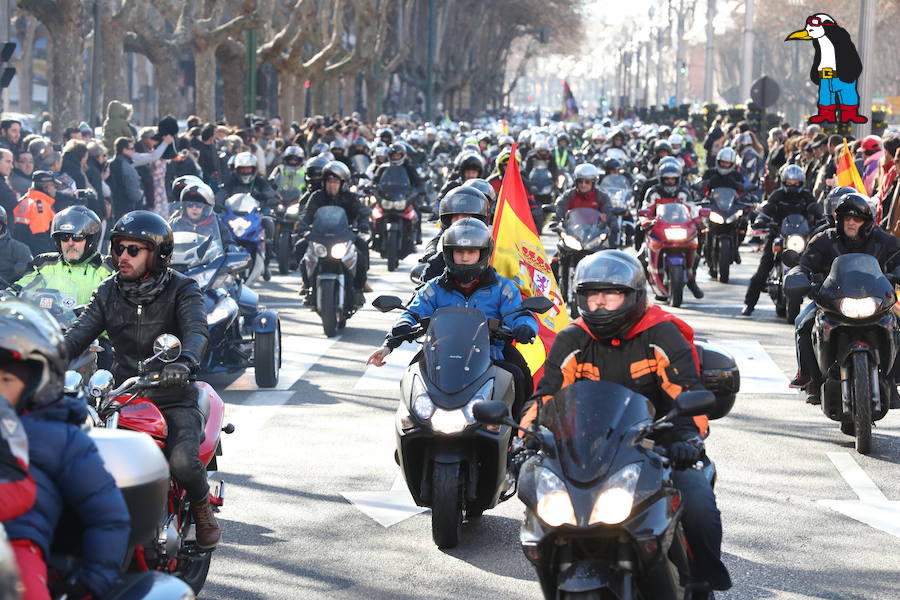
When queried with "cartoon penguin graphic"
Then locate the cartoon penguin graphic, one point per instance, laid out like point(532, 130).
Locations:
point(835, 69)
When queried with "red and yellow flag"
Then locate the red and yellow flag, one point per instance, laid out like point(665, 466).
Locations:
point(519, 256)
point(846, 172)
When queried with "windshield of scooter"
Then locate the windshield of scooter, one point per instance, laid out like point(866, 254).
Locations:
point(614, 182)
point(794, 225)
point(360, 162)
point(457, 348)
point(59, 299)
point(197, 241)
point(330, 221)
point(854, 275)
point(674, 212)
point(584, 223)
point(242, 204)
point(590, 420)
point(395, 183)
point(723, 199)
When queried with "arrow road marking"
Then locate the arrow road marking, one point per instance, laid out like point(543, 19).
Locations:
point(386, 508)
point(872, 508)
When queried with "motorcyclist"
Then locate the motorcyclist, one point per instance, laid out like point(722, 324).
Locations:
point(338, 150)
point(469, 165)
point(562, 156)
point(290, 174)
point(623, 339)
point(63, 461)
point(335, 192)
point(829, 204)
point(197, 215)
point(540, 155)
point(442, 145)
point(359, 146)
point(594, 147)
point(469, 281)
point(792, 198)
point(460, 203)
point(245, 179)
point(725, 173)
point(585, 194)
point(17, 487)
point(614, 166)
point(143, 300)
point(15, 257)
point(35, 211)
point(661, 149)
point(854, 231)
point(398, 157)
point(380, 158)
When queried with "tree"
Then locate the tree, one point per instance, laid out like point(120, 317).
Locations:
point(26, 28)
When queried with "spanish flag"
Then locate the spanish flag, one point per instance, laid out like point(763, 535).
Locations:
point(519, 256)
point(846, 172)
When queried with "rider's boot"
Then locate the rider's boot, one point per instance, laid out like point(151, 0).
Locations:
point(207, 528)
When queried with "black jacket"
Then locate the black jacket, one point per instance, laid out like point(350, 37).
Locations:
point(8, 198)
point(178, 310)
point(346, 200)
point(828, 245)
point(781, 204)
point(712, 179)
point(259, 188)
point(15, 259)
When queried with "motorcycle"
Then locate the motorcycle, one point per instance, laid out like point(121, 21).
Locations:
point(793, 235)
point(854, 340)
point(165, 540)
point(670, 249)
point(394, 218)
point(359, 163)
point(242, 333)
point(620, 194)
point(726, 226)
point(602, 517)
point(243, 216)
point(583, 231)
point(331, 261)
point(286, 214)
point(542, 187)
point(452, 464)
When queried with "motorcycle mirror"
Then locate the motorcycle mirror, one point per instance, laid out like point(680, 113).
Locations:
point(796, 284)
point(704, 212)
point(491, 413)
point(415, 275)
point(100, 383)
point(72, 382)
point(645, 213)
point(691, 404)
point(790, 258)
point(387, 303)
point(537, 304)
point(167, 347)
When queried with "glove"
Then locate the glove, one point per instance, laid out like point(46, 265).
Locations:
point(174, 374)
point(685, 453)
point(401, 330)
point(518, 458)
point(523, 334)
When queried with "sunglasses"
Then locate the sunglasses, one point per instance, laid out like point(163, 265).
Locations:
point(133, 249)
point(817, 22)
point(71, 237)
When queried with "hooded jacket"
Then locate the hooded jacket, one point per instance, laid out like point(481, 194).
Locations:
point(116, 123)
point(17, 487)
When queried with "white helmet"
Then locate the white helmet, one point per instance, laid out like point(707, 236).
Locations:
point(586, 171)
point(245, 167)
point(675, 140)
point(726, 155)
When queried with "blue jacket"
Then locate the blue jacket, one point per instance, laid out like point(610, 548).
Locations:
point(494, 296)
point(69, 473)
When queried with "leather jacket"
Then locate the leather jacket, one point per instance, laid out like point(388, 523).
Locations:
point(178, 310)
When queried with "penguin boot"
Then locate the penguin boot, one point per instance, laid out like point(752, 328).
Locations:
point(826, 114)
point(850, 114)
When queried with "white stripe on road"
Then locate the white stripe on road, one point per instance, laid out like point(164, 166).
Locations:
point(856, 478)
point(250, 417)
point(759, 373)
point(298, 355)
point(386, 508)
point(388, 377)
point(872, 507)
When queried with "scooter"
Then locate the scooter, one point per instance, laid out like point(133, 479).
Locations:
point(793, 235)
point(243, 216)
point(582, 232)
point(727, 226)
point(452, 464)
point(670, 249)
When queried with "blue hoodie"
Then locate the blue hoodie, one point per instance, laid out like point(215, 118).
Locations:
point(69, 474)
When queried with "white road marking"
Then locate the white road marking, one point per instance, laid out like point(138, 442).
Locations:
point(759, 373)
point(388, 377)
point(386, 508)
point(250, 417)
point(298, 355)
point(872, 507)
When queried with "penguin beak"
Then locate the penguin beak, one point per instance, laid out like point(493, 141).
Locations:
point(799, 35)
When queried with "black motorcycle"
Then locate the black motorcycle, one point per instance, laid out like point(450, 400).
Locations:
point(394, 218)
point(582, 232)
point(331, 261)
point(452, 464)
point(542, 186)
point(855, 341)
point(792, 235)
point(286, 214)
point(726, 227)
point(602, 517)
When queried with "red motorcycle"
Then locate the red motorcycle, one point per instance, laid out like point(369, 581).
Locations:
point(670, 248)
point(174, 550)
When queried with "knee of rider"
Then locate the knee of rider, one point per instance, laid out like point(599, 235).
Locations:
point(182, 461)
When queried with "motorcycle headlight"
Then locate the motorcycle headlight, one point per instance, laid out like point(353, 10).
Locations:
point(616, 499)
point(449, 421)
point(796, 243)
point(226, 308)
point(676, 234)
point(393, 204)
point(239, 226)
point(482, 395)
point(734, 217)
point(338, 251)
point(554, 505)
point(715, 217)
point(859, 308)
point(571, 241)
point(595, 242)
point(421, 405)
point(318, 249)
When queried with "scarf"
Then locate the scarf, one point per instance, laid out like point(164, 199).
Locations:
point(145, 289)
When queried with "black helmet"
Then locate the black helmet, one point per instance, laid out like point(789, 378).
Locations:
point(77, 220)
point(182, 182)
point(148, 227)
point(612, 165)
point(31, 337)
point(314, 168)
point(834, 197)
point(471, 161)
point(337, 147)
point(318, 148)
point(792, 173)
point(397, 153)
point(40, 177)
point(484, 187)
point(855, 205)
point(669, 171)
point(385, 135)
point(611, 270)
point(662, 145)
point(464, 201)
point(470, 234)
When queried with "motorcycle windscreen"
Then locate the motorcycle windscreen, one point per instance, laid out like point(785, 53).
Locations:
point(854, 275)
point(673, 212)
point(794, 225)
point(360, 163)
point(395, 183)
point(196, 234)
point(614, 182)
point(58, 299)
point(457, 348)
point(584, 224)
point(723, 199)
point(616, 153)
point(540, 180)
point(331, 221)
point(588, 420)
point(241, 204)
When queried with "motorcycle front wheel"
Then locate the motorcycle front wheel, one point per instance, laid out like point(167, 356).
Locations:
point(726, 254)
point(329, 310)
point(676, 284)
point(267, 358)
point(861, 401)
point(446, 509)
point(284, 251)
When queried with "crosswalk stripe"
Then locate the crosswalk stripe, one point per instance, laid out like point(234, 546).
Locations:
point(298, 355)
point(250, 417)
point(388, 377)
point(759, 373)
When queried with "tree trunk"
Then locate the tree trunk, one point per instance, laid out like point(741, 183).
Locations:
point(232, 59)
point(66, 66)
point(142, 69)
point(112, 50)
point(205, 83)
point(165, 74)
point(286, 86)
point(25, 65)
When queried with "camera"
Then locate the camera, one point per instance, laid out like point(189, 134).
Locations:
point(86, 197)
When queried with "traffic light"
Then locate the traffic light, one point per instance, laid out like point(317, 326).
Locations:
point(544, 34)
point(6, 54)
point(682, 68)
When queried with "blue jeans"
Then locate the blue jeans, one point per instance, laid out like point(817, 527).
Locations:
point(702, 527)
point(834, 91)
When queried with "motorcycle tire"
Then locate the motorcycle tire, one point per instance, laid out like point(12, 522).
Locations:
point(329, 310)
point(267, 358)
point(284, 252)
point(792, 309)
point(676, 285)
point(861, 401)
point(392, 251)
point(726, 255)
point(193, 567)
point(781, 310)
point(446, 508)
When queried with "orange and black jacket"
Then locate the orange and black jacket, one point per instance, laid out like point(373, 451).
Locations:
point(656, 358)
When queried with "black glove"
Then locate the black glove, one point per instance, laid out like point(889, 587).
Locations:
point(520, 451)
point(685, 453)
point(403, 329)
point(523, 334)
point(174, 374)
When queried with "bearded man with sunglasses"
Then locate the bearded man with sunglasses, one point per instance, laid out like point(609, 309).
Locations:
point(143, 300)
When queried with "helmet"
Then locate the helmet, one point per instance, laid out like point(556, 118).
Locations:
point(598, 138)
point(464, 201)
point(148, 227)
point(397, 153)
point(182, 182)
point(245, 167)
point(318, 148)
point(524, 137)
point(77, 220)
point(664, 130)
point(612, 165)
point(744, 140)
point(336, 170)
point(586, 171)
point(471, 161)
point(870, 144)
point(471, 234)
point(728, 156)
point(33, 338)
point(292, 157)
point(794, 174)
point(542, 147)
point(662, 145)
point(337, 147)
point(676, 140)
point(669, 171)
point(199, 193)
point(314, 169)
point(385, 135)
point(4, 222)
point(381, 152)
point(563, 137)
point(617, 133)
point(855, 205)
point(834, 197)
point(484, 187)
point(503, 160)
point(504, 141)
point(611, 270)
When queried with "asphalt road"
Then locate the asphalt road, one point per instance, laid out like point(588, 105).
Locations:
point(329, 429)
